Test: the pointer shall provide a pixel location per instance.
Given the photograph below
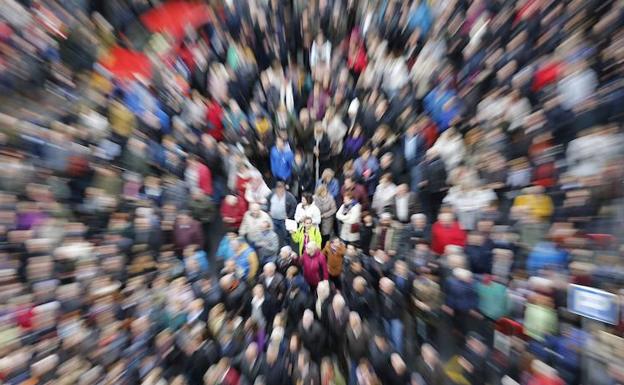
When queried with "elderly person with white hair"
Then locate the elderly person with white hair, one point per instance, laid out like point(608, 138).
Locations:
point(462, 299)
point(391, 309)
point(254, 220)
point(314, 265)
point(273, 281)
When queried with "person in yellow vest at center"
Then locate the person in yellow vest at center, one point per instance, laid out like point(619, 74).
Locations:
point(305, 233)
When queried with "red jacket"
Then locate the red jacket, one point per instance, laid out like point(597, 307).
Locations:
point(314, 268)
point(237, 211)
point(214, 117)
point(205, 179)
point(442, 236)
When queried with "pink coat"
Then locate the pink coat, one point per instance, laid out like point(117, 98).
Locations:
point(314, 268)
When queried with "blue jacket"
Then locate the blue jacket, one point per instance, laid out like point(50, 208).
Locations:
point(461, 295)
point(281, 163)
point(202, 261)
point(546, 254)
point(224, 251)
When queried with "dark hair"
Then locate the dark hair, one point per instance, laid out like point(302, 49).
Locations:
point(308, 197)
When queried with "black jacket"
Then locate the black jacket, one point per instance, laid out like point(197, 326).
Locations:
point(313, 339)
point(277, 288)
point(357, 347)
point(434, 172)
point(291, 204)
point(275, 374)
point(391, 305)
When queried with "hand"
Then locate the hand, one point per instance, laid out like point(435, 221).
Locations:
point(392, 253)
point(476, 314)
point(316, 151)
point(423, 183)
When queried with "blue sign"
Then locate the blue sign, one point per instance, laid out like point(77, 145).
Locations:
point(593, 303)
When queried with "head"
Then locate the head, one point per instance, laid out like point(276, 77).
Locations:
point(429, 354)
point(258, 291)
point(311, 248)
point(269, 269)
point(280, 188)
point(306, 199)
point(254, 209)
point(327, 175)
point(307, 223)
point(446, 219)
point(386, 285)
point(385, 219)
point(359, 284)
point(419, 220)
point(307, 319)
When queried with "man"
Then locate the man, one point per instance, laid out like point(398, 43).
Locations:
point(358, 339)
point(362, 299)
point(433, 185)
point(186, 231)
point(446, 231)
point(386, 237)
point(274, 367)
point(235, 293)
point(253, 220)
point(414, 147)
point(416, 232)
point(265, 241)
point(281, 160)
point(391, 309)
point(312, 335)
point(461, 300)
point(405, 203)
point(429, 366)
point(232, 212)
point(281, 206)
point(245, 259)
point(198, 176)
point(307, 371)
point(273, 282)
point(358, 192)
point(334, 251)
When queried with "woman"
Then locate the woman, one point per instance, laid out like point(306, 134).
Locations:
point(353, 143)
point(384, 194)
point(328, 179)
point(307, 209)
point(327, 205)
point(349, 216)
point(306, 233)
point(367, 169)
point(314, 265)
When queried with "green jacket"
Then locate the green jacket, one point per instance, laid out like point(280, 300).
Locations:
point(539, 321)
point(493, 300)
point(203, 209)
point(314, 234)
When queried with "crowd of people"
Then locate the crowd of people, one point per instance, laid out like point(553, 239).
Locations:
point(322, 192)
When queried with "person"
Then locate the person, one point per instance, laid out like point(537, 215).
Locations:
point(461, 300)
point(327, 206)
point(254, 220)
point(366, 169)
point(356, 190)
point(198, 176)
point(404, 204)
point(429, 366)
point(334, 251)
point(358, 338)
point(307, 209)
point(281, 160)
point(391, 310)
point(349, 217)
point(265, 241)
point(273, 282)
point(446, 231)
point(331, 183)
point(312, 335)
point(281, 206)
point(386, 236)
point(232, 211)
point(314, 265)
point(186, 232)
point(433, 184)
point(306, 233)
point(384, 194)
point(245, 259)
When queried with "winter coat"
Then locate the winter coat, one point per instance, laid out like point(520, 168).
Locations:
point(252, 224)
point(390, 243)
point(461, 295)
point(327, 206)
point(442, 236)
point(334, 258)
point(349, 216)
point(314, 234)
point(314, 268)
